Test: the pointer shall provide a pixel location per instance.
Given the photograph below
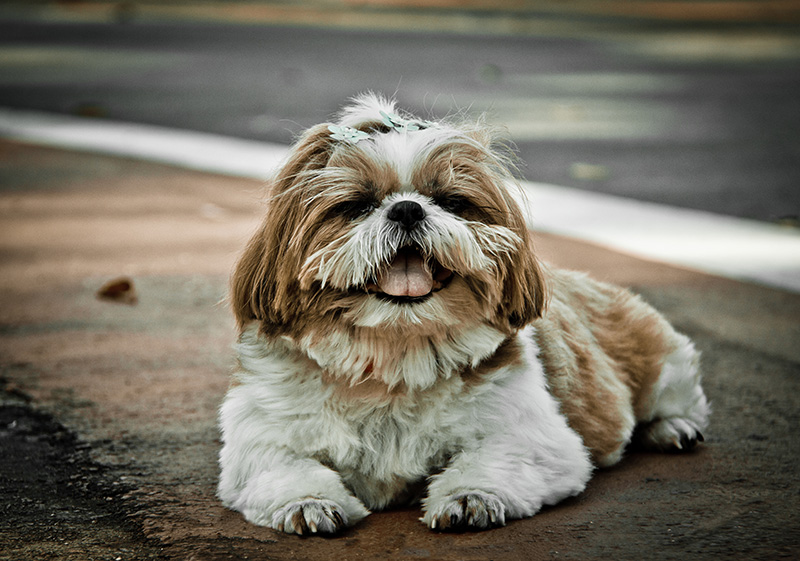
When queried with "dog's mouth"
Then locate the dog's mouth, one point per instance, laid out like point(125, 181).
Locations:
point(410, 277)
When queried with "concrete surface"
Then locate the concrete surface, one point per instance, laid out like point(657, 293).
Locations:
point(108, 410)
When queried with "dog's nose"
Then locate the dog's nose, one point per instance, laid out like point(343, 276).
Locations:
point(407, 213)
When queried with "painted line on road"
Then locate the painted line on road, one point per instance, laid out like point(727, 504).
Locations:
point(732, 247)
point(193, 150)
point(736, 248)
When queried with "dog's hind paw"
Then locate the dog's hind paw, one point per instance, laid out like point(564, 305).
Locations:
point(463, 511)
point(310, 516)
point(671, 434)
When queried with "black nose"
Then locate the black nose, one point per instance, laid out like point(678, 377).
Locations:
point(407, 213)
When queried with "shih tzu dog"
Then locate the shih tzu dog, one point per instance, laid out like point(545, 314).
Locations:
point(400, 342)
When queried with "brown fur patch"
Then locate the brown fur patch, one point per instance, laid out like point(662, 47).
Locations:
point(602, 349)
point(367, 389)
point(261, 290)
point(636, 339)
point(507, 353)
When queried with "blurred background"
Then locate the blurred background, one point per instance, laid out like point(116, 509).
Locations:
point(690, 103)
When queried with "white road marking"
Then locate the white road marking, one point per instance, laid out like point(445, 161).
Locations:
point(193, 150)
point(736, 248)
point(732, 247)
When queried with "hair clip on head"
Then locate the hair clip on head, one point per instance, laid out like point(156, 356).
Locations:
point(347, 133)
point(391, 120)
point(398, 123)
point(404, 125)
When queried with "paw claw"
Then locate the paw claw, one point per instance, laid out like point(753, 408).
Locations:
point(309, 516)
point(673, 433)
point(472, 510)
point(687, 442)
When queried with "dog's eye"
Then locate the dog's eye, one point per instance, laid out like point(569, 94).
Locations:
point(453, 203)
point(355, 208)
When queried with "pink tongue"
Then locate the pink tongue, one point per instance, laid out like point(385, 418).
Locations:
point(406, 276)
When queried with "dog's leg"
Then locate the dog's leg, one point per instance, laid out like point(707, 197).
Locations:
point(677, 410)
point(483, 488)
point(266, 481)
point(528, 457)
point(294, 495)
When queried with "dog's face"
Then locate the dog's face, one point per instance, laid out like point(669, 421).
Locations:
point(384, 222)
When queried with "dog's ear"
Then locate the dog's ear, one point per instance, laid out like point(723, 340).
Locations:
point(525, 291)
point(264, 285)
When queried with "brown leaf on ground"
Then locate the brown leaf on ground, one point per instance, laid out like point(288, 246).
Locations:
point(120, 290)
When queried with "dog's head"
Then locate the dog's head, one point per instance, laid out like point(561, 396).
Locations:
point(390, 221)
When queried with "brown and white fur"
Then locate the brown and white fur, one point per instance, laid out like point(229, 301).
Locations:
point(400, 342)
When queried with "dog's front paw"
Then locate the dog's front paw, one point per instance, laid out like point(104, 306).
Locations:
point(462, 511)
point(310, 516)
point(672, 434)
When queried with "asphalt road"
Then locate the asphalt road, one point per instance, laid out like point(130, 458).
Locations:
point(689, 116)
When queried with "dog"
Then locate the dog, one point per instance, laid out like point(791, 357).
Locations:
point(400, 342)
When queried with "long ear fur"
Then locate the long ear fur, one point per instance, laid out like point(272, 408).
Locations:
point(264, 282)
point(525, 290)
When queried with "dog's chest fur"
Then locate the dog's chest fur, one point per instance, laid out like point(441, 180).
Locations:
point(380, 439)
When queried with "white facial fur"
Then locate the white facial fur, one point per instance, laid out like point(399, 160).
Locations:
point(469, 248)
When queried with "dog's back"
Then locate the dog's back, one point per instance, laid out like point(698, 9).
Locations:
point(614, 363)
